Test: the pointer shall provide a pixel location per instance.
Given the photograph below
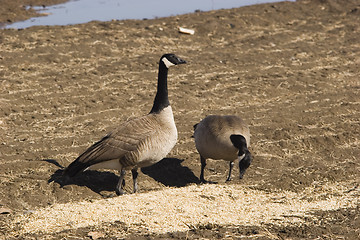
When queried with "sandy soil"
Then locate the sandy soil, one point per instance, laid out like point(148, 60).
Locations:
point(291, 70)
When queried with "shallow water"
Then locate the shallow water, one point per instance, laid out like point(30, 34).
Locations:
point(82, 11)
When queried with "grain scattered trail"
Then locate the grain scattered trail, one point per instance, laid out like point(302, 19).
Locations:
point(191, 206)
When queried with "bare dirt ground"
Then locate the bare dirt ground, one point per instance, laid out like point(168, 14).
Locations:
point(291, 70)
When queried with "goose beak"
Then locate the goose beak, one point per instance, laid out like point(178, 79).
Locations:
point(181, 61)
point(242, 173)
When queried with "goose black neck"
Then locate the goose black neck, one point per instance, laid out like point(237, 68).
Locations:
point(161, 100)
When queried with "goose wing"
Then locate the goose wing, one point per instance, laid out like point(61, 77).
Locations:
point(115, 145)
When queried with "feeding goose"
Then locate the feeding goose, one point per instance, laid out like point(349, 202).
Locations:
point(223, 137)
point(139, 142)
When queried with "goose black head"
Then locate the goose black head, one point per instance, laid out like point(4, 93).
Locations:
point(244, 163)
point(171, 59)
point(244, 155)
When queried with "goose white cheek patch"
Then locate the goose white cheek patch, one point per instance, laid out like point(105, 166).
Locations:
point(241, 157)
point(167, 62)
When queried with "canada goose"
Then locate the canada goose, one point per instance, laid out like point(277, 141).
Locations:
point(137, 143)
point(223, 137)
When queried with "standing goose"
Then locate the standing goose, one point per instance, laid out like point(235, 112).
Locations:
point(223, 137)
point(137, 143)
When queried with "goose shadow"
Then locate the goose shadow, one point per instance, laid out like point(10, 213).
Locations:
point(97, 181)
point(171, 173)
point(168, 171)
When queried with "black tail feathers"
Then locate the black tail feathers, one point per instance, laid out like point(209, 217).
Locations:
point(74, 168)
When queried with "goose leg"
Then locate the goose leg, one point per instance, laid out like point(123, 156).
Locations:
point(231, 165)
point(119, 187)
point(134, 176)
point(203, 164)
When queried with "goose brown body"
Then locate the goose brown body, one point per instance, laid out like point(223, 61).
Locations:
point(138, 143)
point(213, 139)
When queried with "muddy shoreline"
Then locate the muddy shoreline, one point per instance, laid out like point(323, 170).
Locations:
point(290, 69)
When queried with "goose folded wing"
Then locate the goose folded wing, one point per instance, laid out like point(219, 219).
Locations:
point(117, 143)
